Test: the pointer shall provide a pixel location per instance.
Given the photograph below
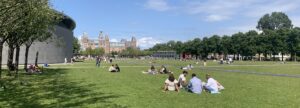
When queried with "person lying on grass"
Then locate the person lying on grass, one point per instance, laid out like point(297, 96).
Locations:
point(188, 67)
point(151, 71)
point(112, 68)
point(171, 84)
point(164, 70)
point(212, 85)
point(182, 79)
point(195, 85)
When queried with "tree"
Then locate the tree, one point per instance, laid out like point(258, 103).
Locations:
point(37, 20)
point(249, 44)
point(261, 43)
point(9, 9)
point(98, 51)
point(204, 47)
point(226, 45)
point(89, 51)
point(215, 45)
point(196, 47)
point(76, 45)
point(274, 42)
point(275, 21)
point(293, 42)
point(179, 47)
point(236, 40)
point(41, 24)
point(283, 35)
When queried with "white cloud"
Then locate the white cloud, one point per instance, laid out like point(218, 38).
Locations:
point(147, 42)
point(113, 40)
point(158, 5)
point(214, 18)
point(259, 9)
point(220, 10)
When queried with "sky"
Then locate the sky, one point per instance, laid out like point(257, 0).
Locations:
point(158, 21)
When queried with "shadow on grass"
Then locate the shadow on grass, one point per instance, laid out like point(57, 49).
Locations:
point(51, 89)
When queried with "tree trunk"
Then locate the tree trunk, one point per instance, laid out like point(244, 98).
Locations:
point(1, 48)
point(233, 56)
point(273, 57)
point(265, 55)
point(17, 60)
point(295, 57)
point(26, 57)
point(259, 57)
point(36, 58)
point(281, 56)
point(10, 58)
point(292, 57)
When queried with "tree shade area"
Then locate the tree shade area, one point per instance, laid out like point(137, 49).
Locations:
point(21, 23)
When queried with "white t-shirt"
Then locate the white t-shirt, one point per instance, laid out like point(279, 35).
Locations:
point(171, 85)
point(181, 78)
point(111, 68)
point(212, 83)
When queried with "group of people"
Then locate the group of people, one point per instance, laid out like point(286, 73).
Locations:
point(229, 61)
point(114, 68)
point(153, 71)
point(195, 85)
point(99, 59)
point(31, 69)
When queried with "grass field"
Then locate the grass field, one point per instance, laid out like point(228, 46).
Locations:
point(84, 85)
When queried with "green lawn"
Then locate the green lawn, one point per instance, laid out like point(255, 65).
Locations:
point(85, 85)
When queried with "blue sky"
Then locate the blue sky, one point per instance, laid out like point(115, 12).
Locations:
point(156, 21)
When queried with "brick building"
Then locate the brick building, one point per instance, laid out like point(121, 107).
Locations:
point(104, 42)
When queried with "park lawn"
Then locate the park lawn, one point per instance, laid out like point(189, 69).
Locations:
point(273, 69)
point(84, 85)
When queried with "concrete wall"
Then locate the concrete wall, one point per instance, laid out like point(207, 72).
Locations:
point(51, 51)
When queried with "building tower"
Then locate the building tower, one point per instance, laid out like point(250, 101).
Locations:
point(133, 42)
point(101, 40)
point(84, 41)
point(107, 45)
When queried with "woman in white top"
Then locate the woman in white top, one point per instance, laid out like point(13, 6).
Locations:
point(171, 84)
point(112, 68)
point(182, 79)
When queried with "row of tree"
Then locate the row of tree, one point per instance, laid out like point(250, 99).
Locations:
point(92, 52)
point(128, 52)
point(23, 22)
point(277, 36)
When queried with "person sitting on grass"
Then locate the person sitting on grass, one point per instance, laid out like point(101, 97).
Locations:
point(212, 85)
point(37, 69)
point(171, 84)
point(33, 69)
point(151, 71)
point(182, 79)
point(195, 85)
point(112, 68)
point(117, 68)
point(163, 70)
